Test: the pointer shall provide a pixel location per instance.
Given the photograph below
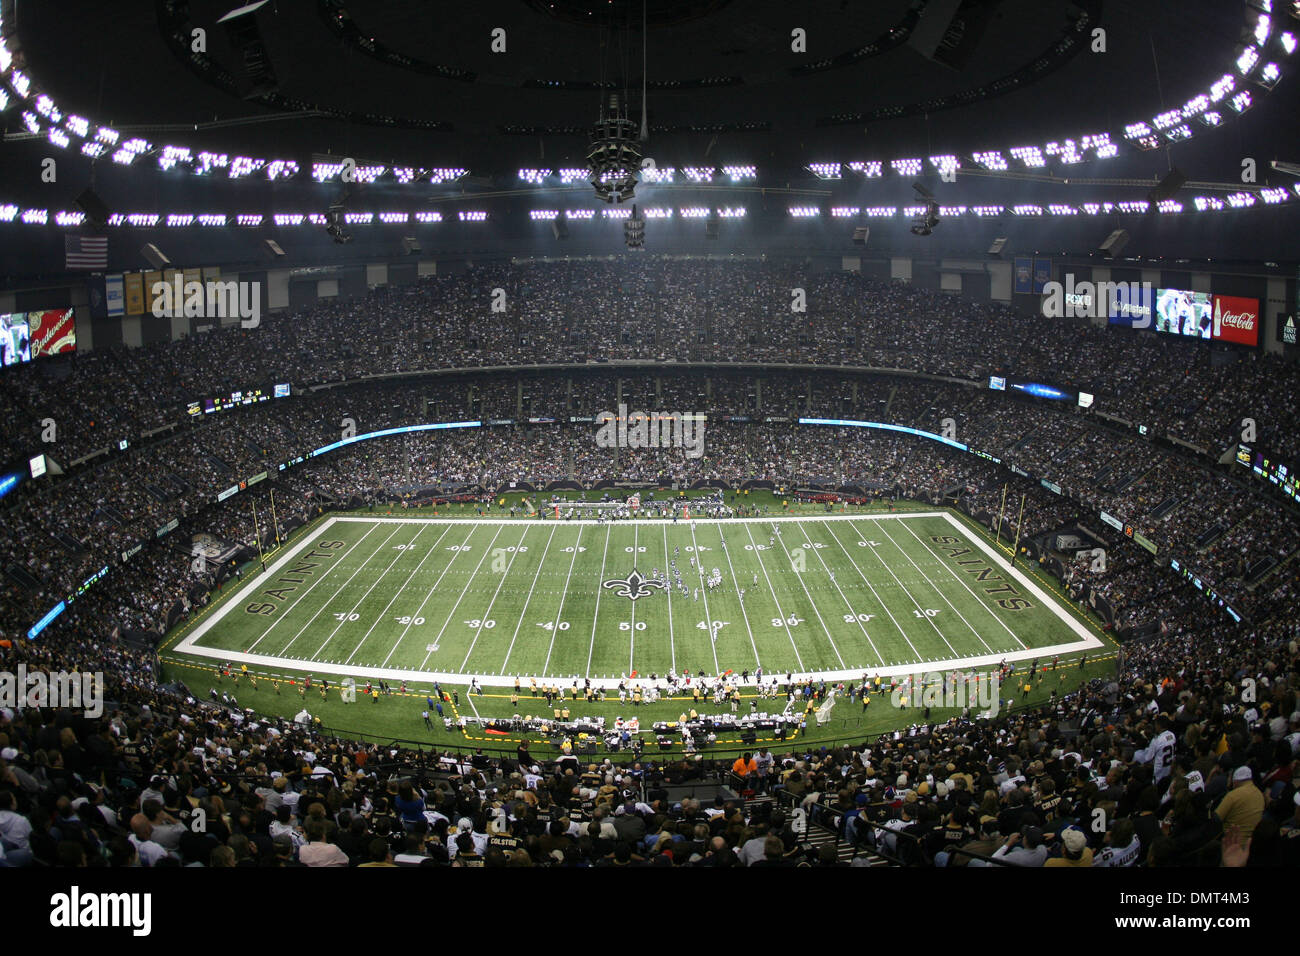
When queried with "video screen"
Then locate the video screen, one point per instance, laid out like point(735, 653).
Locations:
point(53, 331)
point(1180, 312)
point(15, 339)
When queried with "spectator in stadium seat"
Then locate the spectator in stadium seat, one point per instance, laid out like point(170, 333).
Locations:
point(1243, 806)
point(1074, 850)
point(319, 852)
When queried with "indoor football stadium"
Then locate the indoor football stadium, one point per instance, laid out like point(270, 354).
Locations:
point(644, 433)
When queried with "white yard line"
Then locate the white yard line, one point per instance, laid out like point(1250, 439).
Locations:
point(918, 607)
point(1086, 641)
point(743, 613)
point(555, 625)
point(338, 591)
point(432, 591)
point(532, 587)
point(758, 556)
point(959, 580)
point(631, 651)
point(708, 616)
point(879, 600)
point(396, 595)
point(672, 645)
point(847, 603)
point(505, 574)
point(465, 590)
point(596, 614)
point(274, 569)
point(361, 600)
point(816, 610)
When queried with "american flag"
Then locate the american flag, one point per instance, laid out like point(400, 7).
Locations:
point(85, 252)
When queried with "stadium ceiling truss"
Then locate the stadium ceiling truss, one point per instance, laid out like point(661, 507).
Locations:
point(1264, 46)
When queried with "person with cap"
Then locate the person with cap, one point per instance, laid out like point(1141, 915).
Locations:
point(1074, 850)
point(1244, 804)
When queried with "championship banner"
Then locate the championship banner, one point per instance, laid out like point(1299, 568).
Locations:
point(53, 331)
point(1023, 270)
point(1042, 275)
point(134, 293)
point(151, 279)
point(113, 296)
point(96, 297)
point(1236, 319)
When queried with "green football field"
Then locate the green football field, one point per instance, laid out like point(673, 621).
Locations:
point(434, 598)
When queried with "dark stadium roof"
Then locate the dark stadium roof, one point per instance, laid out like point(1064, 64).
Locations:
point(719, 65)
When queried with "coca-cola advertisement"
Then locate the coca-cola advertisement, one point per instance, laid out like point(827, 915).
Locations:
point(1236, 320)
point(53, 331)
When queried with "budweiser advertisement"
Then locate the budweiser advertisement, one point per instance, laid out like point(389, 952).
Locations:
point(1235, 320)
point(53, 331)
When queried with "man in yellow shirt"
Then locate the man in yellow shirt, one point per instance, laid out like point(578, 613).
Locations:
point(1244, 805)
point(1075, 850)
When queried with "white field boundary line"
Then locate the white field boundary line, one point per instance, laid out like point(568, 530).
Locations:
point(393, 519)
point(956, 577)
point(1087, 641)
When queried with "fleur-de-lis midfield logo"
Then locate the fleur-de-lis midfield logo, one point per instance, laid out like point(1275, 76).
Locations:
point(633, 586)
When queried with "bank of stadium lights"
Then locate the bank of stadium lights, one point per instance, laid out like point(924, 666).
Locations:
point(1268, 75)
point(32, 123)
point(35, 217)
point(580, 214)
point(986, 212)
point(693, 212)
point(1030, 156)
point(572, 175)
point(8, 212)
point(543, 215)
point(699, 174)
point(826, 170)
point(620, 212)
point(991, 159)
point(288, 219)
point(393, 218)
point(945, 164)
point(1273, 196)
point(59, 138)
point(879, 212)
point(737, 174)
point(804, 212)
point(844, 212)
point(428, 217)
point(212, 219)
point(1288, 42)
point(69, 220)
point(731, 212)
point(659, 174)
point(1247, 61)
point(178, 219)
point(906, 167)
point(657, 212)
point(1241, 102)
point(534, 176)
point(869, 169)
point(476, 215)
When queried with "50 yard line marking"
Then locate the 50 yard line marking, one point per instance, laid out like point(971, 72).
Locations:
point(631, 653)
point(505, 574)
point(546, 549)
point(596, 614)
point(452, 613)
point(433, 590)
point(555, 625)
